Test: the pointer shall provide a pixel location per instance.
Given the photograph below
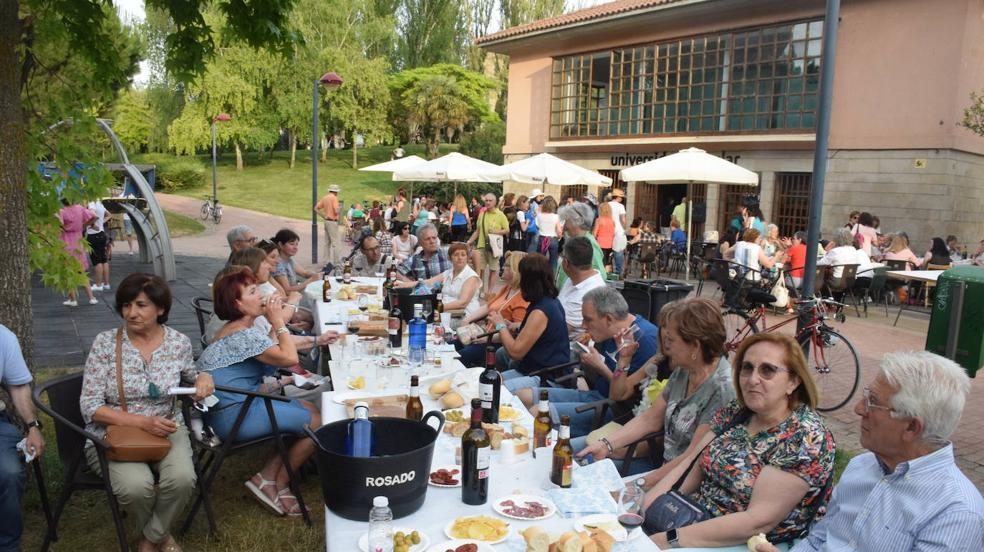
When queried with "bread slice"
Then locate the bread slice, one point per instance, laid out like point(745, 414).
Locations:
point(587, 545)
point(604, 541)
point(569, 542)
point(537, 540)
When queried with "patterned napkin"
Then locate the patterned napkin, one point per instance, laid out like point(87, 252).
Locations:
point(583, 500)
point(602, 473)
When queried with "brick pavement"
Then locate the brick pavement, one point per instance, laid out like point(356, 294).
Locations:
point(63, 336)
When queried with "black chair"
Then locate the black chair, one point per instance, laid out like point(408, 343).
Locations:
point(63, 396)
point(208, 457)
point(203, 311)
point(568, 380)
point(844, 284)
point(875, 289)
point(648, 254)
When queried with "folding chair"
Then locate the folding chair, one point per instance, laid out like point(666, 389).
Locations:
point(203, 311)
point(844, 284)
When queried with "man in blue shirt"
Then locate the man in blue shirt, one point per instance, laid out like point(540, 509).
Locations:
point(16, 378)
point(607, 319)
point(907, 493)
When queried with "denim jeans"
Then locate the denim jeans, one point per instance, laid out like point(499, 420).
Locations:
point(619, 257)
point(563, 402)
point(474, 354)
point(12, 480)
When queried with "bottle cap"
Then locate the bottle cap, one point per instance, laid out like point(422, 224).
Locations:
point(361, 404)
point(380, 502)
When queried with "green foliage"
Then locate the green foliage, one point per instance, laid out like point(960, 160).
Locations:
point(443, 192)
point(181, 173)
point(434, 104)
point(430, 31)
point(973, 118)
point(486, 142)
point(133, 120)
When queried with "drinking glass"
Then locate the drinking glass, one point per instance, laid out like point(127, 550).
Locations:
point(626, 338)
point(630, 506)
point(427, 309)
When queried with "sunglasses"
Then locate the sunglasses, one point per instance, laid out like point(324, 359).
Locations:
point(766, 371)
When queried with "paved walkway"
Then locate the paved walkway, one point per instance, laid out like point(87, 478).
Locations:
point(63, 335)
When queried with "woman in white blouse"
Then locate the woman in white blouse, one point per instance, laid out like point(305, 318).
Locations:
point(547, 223)
point(461, 283)
point(404, 243)
point(749, 253)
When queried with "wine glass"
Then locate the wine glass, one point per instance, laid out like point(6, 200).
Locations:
point(630, 506)
point(624, 340)
point(426, 309)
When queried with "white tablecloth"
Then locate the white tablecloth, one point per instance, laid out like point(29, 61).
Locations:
point(528, 476)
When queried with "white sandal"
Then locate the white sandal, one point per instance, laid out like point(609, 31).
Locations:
point(272, 505)
point(286, 493)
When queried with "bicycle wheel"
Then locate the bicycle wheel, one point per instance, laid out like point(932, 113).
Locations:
point(206, 211)
point(737, 327)
point(836, 367)
point(217, 214)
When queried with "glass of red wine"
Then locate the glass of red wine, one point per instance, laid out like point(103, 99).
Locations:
point(630, 506)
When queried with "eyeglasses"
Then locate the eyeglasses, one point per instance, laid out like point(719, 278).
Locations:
point(251, 239)
point(370, 248)
point(868, 405)
point(766, 371)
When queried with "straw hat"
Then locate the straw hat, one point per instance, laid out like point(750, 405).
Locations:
point(617, 192)
point(333, 188)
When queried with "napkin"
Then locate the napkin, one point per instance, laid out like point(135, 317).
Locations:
point(602, 473)
point(583, 500)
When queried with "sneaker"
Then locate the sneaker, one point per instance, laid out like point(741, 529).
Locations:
point(131, 253)
point(70, 303)
point(106, 287)
point(97, 287)
point(93, 301)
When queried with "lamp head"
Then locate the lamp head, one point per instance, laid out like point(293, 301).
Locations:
point(330, 80)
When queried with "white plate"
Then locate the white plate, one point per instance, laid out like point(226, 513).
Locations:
point(447, 531)
point(517, 414)
point(618, 534)
point(424, 541)
point(449, 468)
point(521, 500)
point(452, 544)
point(343, 396)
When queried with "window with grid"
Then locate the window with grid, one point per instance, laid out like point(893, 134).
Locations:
point(759, 79)
point(791, 207)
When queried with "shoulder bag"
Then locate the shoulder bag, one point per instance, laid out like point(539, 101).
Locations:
point(674, 509)
point(127, 443)
point(493, 242)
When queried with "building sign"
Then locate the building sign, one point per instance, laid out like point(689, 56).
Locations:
point(631, 159)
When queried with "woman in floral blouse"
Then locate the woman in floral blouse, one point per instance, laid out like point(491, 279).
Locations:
point(155, 358)
point(770, 459)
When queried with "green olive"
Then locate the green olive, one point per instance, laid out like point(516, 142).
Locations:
point(415, 537)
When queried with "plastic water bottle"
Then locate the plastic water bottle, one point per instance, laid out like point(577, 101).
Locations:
point(418, 337)
point(380, 526)
point(359, 441)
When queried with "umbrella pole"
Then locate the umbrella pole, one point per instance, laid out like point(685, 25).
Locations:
point(690, 226)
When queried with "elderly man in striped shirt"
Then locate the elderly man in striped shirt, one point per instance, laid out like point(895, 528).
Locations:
point(907, 493)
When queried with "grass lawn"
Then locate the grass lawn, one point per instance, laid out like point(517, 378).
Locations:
point(180, 225)
point(268, 185)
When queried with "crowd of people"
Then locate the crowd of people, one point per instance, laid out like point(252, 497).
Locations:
point(741, 437)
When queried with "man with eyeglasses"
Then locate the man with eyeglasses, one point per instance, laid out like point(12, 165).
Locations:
point(429, 263)
point(239, 238)
point(907, 493)
point(369, 261)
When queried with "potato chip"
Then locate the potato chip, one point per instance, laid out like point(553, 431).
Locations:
point(481, 528)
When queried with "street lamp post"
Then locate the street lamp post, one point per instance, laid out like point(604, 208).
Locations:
point(330, 81)
point(220, 118)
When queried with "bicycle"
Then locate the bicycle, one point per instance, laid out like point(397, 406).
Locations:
point(834, 360)
point(211, 208)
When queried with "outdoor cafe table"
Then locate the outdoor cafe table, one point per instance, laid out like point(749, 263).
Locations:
point(927, 277)
point(442, 505)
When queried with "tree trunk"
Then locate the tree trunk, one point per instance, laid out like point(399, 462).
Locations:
point(239, 157)
point(15, 277)
point(355, 155)
point(293, 148)
point(324, 150)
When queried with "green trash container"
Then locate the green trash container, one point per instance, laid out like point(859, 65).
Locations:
point(956, 321)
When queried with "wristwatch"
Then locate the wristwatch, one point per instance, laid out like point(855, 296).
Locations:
point(501, 326)
point(34, 423)
point(672, 539)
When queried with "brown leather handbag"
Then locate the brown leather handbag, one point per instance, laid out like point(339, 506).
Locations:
point(127, 443)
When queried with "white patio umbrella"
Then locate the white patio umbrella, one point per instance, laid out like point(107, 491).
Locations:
point(453, 167)
point(547, 169)
point(395, 164)
point(691, 165)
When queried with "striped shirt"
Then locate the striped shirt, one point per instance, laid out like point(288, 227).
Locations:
point(926, 504)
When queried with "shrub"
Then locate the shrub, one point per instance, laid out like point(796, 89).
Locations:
point(180, 173)
point(485, 143)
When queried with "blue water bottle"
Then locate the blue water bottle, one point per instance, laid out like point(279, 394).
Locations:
point(418, 337)
point(360, 441)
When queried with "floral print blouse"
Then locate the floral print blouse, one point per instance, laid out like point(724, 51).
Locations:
point(800, 445)
point(145, 384)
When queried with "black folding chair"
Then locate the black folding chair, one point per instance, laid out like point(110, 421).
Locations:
point(203, 311)
point(844, 284)
point(63, 397)
point(209, 457)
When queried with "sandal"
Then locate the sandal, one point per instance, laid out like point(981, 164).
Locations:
point(272, 505)
point(169, 545)
point(286, 493)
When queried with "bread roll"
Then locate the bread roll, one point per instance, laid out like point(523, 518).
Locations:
point(587, 545)
point(604, 541)
point(439, 388)
point(520, 431)
point(756, 540)
point(451, 399)
point(569, 542)
point(496, 439)
point(459, 429)
point(537, 540)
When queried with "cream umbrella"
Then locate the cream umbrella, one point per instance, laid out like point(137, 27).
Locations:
point(544, 168)
point(395, 164)
point(691, 165)
point(453, 167)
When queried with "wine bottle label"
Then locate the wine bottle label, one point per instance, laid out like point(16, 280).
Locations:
point(393, 325)
point(486, 392)
point(484, 460)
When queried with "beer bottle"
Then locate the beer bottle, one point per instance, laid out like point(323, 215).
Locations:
point(347, 272)
point(563, 455)
point(325, 288)
point(415, 408)
point(476, 456)
point(542, 423)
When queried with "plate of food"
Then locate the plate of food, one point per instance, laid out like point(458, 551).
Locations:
point(411, 539)
point(607, 523)
point(509, 414)
point(446, 476)
point(356, 383)
point(487, 529)
point(524, 507)
point(461, 545)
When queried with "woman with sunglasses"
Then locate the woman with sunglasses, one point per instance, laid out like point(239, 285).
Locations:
point(403, 242)
point(766, 465)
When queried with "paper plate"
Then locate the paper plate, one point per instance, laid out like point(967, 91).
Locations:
point(447, 531)
point(613, 528)
point(422, 547)
point(449, 467)
point(452, 544)
point(521, 500)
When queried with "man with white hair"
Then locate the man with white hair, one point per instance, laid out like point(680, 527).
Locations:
point(578, 220)
point(907, 493)
point(239, 238)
